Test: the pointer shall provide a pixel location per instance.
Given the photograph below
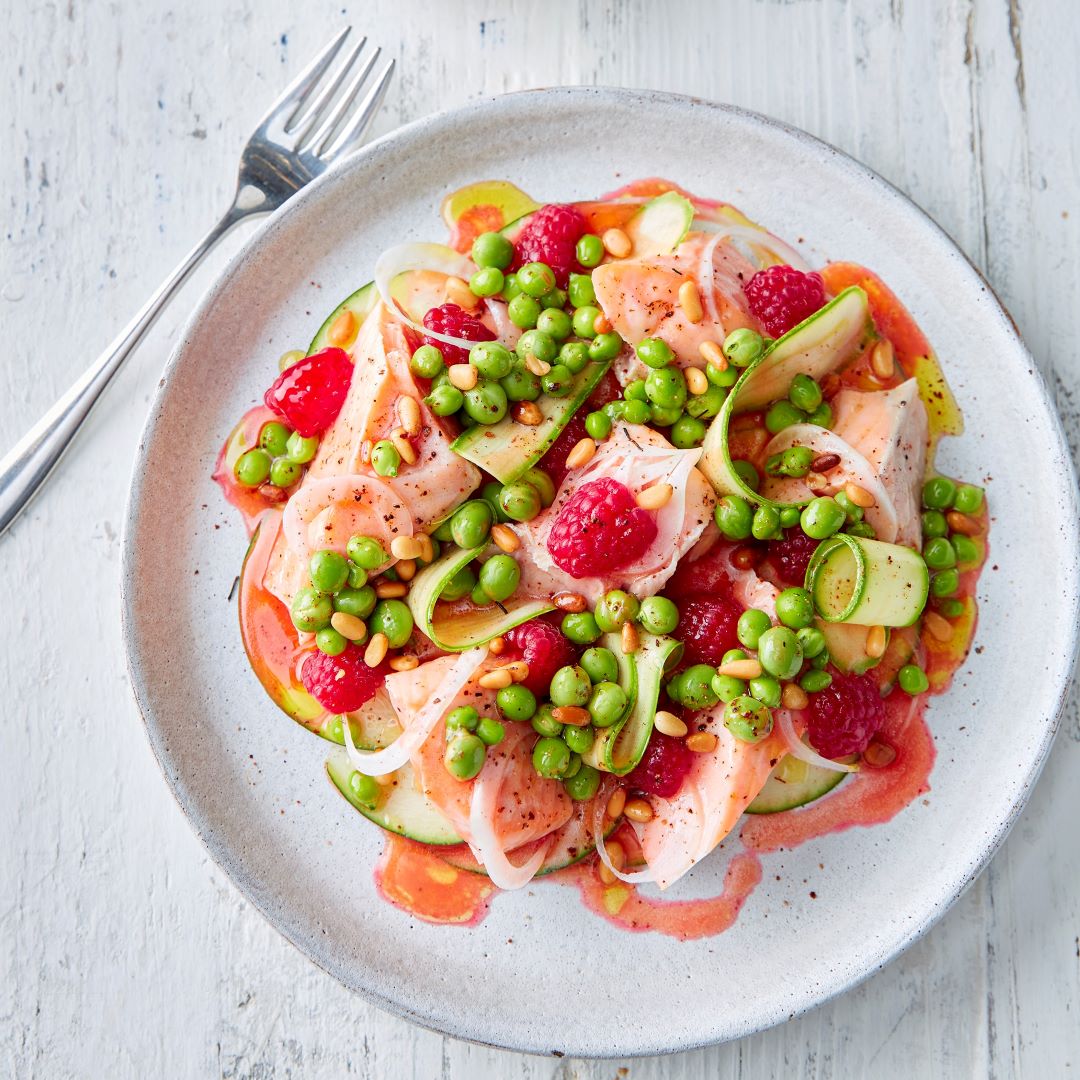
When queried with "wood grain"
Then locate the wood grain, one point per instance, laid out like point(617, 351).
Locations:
point(124, 951)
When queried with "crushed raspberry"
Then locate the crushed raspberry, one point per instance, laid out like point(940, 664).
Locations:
point(663, 766)
point(707, 628)
point(543, 648)
point(599, 529)
point(844, 717)
point(308, 395)
point(792, 555)
point(341, 683)
point(710, 575)
point(457, 322)
point(550, 236)
point(781, 297)
point(554, 461)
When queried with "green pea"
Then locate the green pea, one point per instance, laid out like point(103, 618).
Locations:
point(523, 311)
point(766, 523)
point(385, 458)
point(487, 281)
point(951, 609)
point(284, 473)
point(491, 360)
point(511, 288)
point(946, 583)
point(492, 249)
point(968, 499)
point(574, 355)
point(520, 501)
point(581, 291)
point(520, 384)
point(499, 577)
point(804, 393)
point(575, 764)
point(366, 552)
point(329, 641)
point(607, 703)
point(301, 450)
point(538, 344)
point(813, 682)
point(253, 467)
point(780, 653)
point(570, 686)
point(637, 412)
point(934, 524)
point(821, 661)
point(558, 382)
point(912, 679)
point(580, 739)
point(471, 524)
point(704, 406)
point(747, 719)
point(852, 511)
point(663, 416)
point(796, 461)
point(605, 346)
point(723, 380)
point(693, 687)
point(536, 279)
point(727, 687)
point(751, 625)
point(580, 628)
point(789, 516)
point(589, 250)
point(766, 690)
point(598, 425)
point(486, 402)
point(732, 655)
point(939, 493)
point(544, 723)
point(967, 551)
point(666, 387)
point(733, 517)
point(551, 757)
point(822, 416)
point(795, 608)
point(614, 410)
point(516, 702)
point(658, 615)
point(427, 362)
point(811, 641)
point(329, 571)
point(615, 610)
point(821, 518)
point(442, 533)
point(747, 473)
point(600, 665)
point(635, 390)
point(394, 619)
point(460, 585)
point(358, 601)
point(782, 415)
point(687, 432)
point(555, 299)
point(490, 732)
point(358, 576)
point(861, 528)
point(444, 400)
point(939, 554)
point(365, 789)
point(743, 346)
point(464, 717)
point(274, 438)
point(311, 610)
point(555, 323)
point(465, 756)
point(584, 321)
point(543, 483)
point(654, 352)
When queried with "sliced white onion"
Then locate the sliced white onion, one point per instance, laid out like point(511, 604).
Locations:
point(416, 730)
point(757, 237)
point(506, 331)
point(635, 877)
point(797, 748)
point(706, 274)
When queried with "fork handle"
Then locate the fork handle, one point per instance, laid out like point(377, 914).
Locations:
point(25, 468)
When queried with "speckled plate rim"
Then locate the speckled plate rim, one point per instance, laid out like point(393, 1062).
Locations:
point(963, 875)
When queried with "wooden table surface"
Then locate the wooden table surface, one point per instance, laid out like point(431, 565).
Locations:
point(124, 951)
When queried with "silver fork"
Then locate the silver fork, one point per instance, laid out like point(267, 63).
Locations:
point(315, 121)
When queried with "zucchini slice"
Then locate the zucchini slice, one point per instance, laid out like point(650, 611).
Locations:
point(847, 646)
point(794, 783)
point(661, 225)
point(359, 303)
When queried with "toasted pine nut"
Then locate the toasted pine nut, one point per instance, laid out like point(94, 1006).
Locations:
point(497, 646)
point(403, 446)
point(273, 493)
point(537, 366)
point(696, 380)
point(519, 670)
point(962, 524)
point(937, 626)
point(638, 810)
point(405, 547)
point(830, 386)
point(616, 803)
point(876, 641)
point(571, 602)
point(879, 754)
point(427, 548)
point(617, 243)
point(463, 376)
point(653, 498)
point(741, 669)
point(527, 413)
point(349, 626)
point(817, 483)
point(883, 359)
point(408, 410)
point(794, 697)
point(505, 538)
point(690, 301)
point(405, 662)
point(701, 742)
point(669, 724)
point(574, 715)
point(711, 353)
point(582, 453)
point(601, 324)
point(405, 569)
point(746, 557)
point(824, 462)
point(342, 330)
point(630, 639)
point(498, 679)
point(458, 292)
point(617, 857)
point(375, 653)
point(859, 495)
point(391, 590)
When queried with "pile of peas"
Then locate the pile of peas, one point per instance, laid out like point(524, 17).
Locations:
point(279, 458)
point(468, 736)
point(947, 551)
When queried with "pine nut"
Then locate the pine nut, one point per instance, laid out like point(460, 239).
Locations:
point(498, 679)
point(519, 670)
point(962, 524)
point(741, 669)
point(638, 810)
point(817, 483)
point(427, 548)
point(830, 386)
point(571, 602)
point(537, 366)
point(408, 410)
point(745, 557)
point(825, 462)
point(527, 413)
point(876, 641)
point(711, 353)
point(582, 453)
point(272, 493)
point(574, 715)
point(375, 653)
point(458, 292)
point(655, 497)
point(630, 639)
point(859, 495)
point(403, 447)
point(616, 803)
point(391, 590)
point(497, 646)
point(696, 381)
point(342, 330)
point(405, 662)
point(505, 538)
point(463, 376)
point(879, 754)
point(405, 547)
point(617, 857)
point(601, 324)
point(617, 243)
point(937, 626)
point(794, 697)
point(669, 724)
point(701, 742)
point(690, 301)
point(405, 569)
point(883, 359)
point(349, 626)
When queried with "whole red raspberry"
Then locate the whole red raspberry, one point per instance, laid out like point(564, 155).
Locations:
point(792, 555)
point(663, 766)
point(457, 322)
point(308, 395)
point(599, 529)
point(844, 717)
point(781, 297)
point(550, 236)
point(341, 683)
point(543, 648)
point(707, 628)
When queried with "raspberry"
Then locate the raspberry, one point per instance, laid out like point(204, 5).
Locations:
point(457, 322)
point(663, 766)
point(343, 683)
point(707, 628)
point(554, 461)
point(599, 529)
point(792, 555)
point(781, 297)
point(549, 237)
point(844, 717)
point(308, 395)
point(544, 649)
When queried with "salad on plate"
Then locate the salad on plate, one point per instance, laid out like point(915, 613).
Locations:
point(603, 535)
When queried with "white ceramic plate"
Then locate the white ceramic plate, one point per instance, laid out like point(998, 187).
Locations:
point(541, 973)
